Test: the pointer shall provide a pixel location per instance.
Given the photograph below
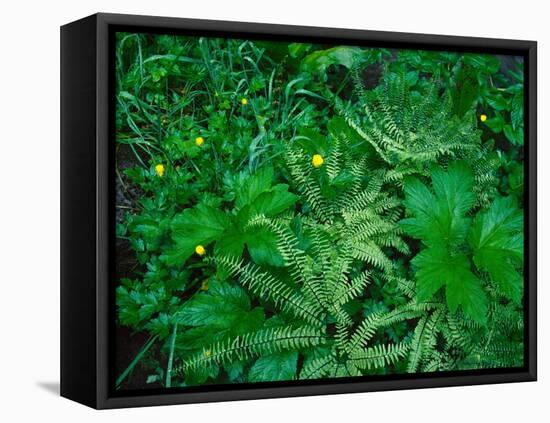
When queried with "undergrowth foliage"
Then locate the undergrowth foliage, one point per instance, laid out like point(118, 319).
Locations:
point(287, 211)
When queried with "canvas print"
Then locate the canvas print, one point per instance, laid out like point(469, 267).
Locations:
point(290, 211)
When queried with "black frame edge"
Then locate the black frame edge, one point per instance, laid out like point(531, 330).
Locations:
point(255, 28)
point(99, 388)
point(78, 212)
point(531, 137)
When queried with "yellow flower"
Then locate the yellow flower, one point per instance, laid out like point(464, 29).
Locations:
point(199, 141)
point(159, 169)
point(207, 353)
point(483, 118)
point(200, 250)
point(244, 101)
point(317, 160)
point(204, 285)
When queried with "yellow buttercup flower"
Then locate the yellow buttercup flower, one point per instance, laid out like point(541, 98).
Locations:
point(207, 353)
point(204, 285)
point(199, 141)
point(483, 118)
point(200, 250)
point(244, 101)
point(317, 160)
point(159, 169)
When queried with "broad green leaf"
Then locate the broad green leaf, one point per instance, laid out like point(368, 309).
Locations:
point(262, 246)
point(253, 186)
point(517, 111)
point(235, 370)
point(454, 187)
point(319, 61)
point(496, 123)
point(515, 180)
point(275, 49)
point(497, 102)
point(464, 289)
point(281, 366)
point(231, 242)
point(485, 63)
point(515, 136)
point(440, 221)
point(436, 268)
point(465, 92)
point(224, 308)
point(312, 141)
point(440, 218)
point(197, 226)
point(497, 242)
point(298, 49)
point(275, 201)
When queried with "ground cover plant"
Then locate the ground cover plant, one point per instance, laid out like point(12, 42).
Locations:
point(290, 211)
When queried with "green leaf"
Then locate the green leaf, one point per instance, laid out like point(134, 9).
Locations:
point(496, 124)
point(454, 188)
point(515, 180)
point(437, 268)
point(497, 102)
point(225, 308)
point(262, 246)
point(235, 370)
point(485, 63)
point(440, 221)
point(312, 141)
point(280, 366)
point(466, 91)
point(465, 289)
point(275, 201)
point(319, 61)
point(298, 49)
point(253, 186)
point(514, 136)
point(440, 218)
point(517, 111)
point(231, 242)
point(197, 226)
point(497, 241)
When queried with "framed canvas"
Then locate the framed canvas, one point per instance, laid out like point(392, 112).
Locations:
point(257, 211)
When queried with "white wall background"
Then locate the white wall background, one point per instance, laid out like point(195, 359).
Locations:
point(29, 209)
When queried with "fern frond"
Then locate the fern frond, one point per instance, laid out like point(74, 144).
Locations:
point(424, 340)
point(455, 333)
point(347, 292)
point(262, 342)
point(295, 258)
point(369, 252)
point(267, 287)
point(319, 367)
point(334, 159)
point(368, 195)
point(301, 172)
point(368, 327)
point(379, 356)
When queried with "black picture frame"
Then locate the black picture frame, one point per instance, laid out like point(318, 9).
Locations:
point(87, 196)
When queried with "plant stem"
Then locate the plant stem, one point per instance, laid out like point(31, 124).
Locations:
point(171, 356)
point(135, 361)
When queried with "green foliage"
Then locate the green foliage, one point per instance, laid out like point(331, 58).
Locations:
point(290, 211)
point(497, 243)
